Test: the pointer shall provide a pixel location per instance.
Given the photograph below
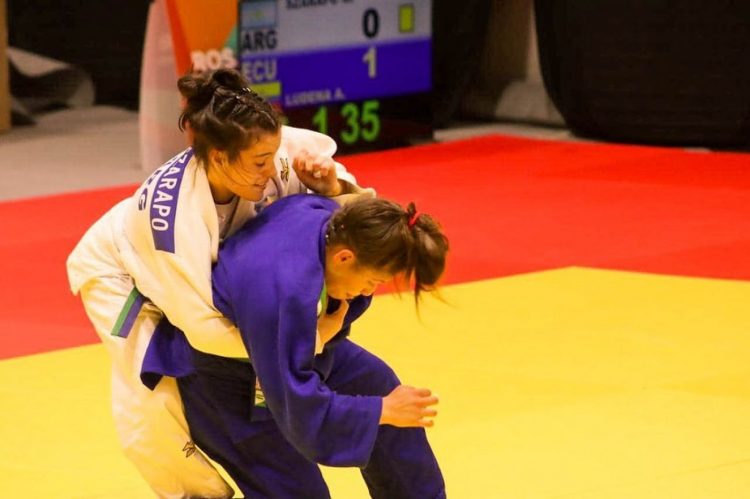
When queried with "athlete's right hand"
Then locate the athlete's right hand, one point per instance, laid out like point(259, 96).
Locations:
point(407, 406)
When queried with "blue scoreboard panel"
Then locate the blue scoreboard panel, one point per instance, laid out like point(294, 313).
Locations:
point(357, 70)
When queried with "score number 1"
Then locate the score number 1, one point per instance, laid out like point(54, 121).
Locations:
point(364, 124)
point(371, 58)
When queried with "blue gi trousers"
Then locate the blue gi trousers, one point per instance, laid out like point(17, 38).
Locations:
point(218, 404)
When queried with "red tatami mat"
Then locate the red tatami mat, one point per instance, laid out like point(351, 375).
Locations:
point(509, 205)
point(513, 205)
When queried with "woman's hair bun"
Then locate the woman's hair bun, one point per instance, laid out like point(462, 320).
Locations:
point(231, 80)
point(198, 88)
point(195, 86)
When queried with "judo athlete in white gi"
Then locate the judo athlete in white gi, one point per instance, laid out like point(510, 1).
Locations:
point(343, 407)
point(151, 255)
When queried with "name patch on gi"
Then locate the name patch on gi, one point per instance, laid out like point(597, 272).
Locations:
point(163, 208)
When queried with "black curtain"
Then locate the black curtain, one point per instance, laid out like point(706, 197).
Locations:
point(105, 38)
point(459, 28)
point(653, 71)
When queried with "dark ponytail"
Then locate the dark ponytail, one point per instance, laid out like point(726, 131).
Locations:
point(223, 113)
point(384, 236)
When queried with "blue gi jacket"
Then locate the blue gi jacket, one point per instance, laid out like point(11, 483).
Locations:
point(268, 280)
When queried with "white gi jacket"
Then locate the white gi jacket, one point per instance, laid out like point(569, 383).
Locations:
point(166, 237)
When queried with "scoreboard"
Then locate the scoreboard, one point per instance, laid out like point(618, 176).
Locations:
point(357, 70)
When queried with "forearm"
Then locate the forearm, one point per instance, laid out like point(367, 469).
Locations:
point(338, 432)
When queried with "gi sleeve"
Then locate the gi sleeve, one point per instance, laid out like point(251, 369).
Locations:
point(299, 139)
point(324, 426)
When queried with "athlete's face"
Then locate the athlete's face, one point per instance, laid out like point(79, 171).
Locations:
point(346, 278)
point(248, 174)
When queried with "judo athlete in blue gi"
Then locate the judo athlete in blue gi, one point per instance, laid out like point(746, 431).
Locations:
point(341, 407)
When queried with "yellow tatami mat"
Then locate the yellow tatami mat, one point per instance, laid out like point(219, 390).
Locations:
point(573, 383)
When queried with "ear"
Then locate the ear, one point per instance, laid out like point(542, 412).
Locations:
point(219, 158)
point(344, 256)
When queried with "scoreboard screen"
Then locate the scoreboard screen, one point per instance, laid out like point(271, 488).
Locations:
point(357, 70)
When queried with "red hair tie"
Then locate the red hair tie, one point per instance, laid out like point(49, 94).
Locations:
point(413, 219)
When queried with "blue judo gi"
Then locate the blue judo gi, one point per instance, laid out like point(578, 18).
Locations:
point(318, 408)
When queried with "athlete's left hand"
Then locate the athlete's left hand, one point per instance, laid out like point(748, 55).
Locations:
point(318, 173)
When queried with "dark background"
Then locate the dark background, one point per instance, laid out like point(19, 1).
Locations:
point(103, 37)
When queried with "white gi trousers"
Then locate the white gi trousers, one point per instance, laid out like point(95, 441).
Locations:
point(150, 425)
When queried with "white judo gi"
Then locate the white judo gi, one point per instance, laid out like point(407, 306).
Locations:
point(152, 254)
